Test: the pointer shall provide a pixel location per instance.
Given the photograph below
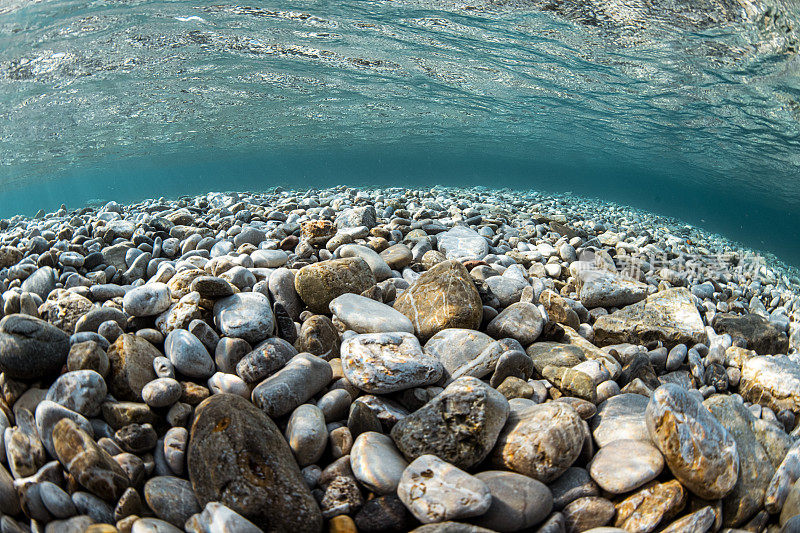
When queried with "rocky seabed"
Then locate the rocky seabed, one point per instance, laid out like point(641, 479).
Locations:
point(385, 360)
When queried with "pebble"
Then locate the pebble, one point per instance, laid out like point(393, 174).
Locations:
point(162, 392)
point(302, 377)
point(697, 448)
point(381, 363)
point(187, 353)
point(270, 491)
point(320, 283)
point(148, 300)
point(365, 315)
point(217, 518)
point(521, 321)
point(518, 502)
point(377, 463)
point(624, 465)
point(82, 391)
point(306, 434)
point(246, 315)
point(435, 491)
point(171, 499)
point(30, 347)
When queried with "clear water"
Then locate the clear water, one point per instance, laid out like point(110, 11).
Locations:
point(688, 108)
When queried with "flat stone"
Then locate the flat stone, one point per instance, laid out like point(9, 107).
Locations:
point(602, 288)
point(646, 509)
point(773, 382)
point(587, 513)
point(521, 321)
point(254, 472)
point(620, 417)
point(443, 297)
point(31, 348)
point(302, 377)
point(697, 448)
point(148, 300)
point(460, 425)
point(381, 363)
point(574, 483)
point(247, 315)
point(397, 256)
point(162, 392)
point(701, 520)
point(463, 244)
point(625, 465)
point(376, 462)
point(171, 499)
point(540, 441)
point(464, 352)
point(518, 502)
point(322, 282)
point(365, 315)
point(377, 265)
point(669, 316)
point(760, 334)
point(435, 491)
point(188, 354)
point(42, 282)
point(131, 360)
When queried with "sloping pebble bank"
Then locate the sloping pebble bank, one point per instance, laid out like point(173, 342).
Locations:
point(386, 360)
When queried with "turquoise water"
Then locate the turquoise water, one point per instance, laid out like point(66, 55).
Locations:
point(685, 108)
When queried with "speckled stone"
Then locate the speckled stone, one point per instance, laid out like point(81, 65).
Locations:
point(320, 283)
point(254, 471)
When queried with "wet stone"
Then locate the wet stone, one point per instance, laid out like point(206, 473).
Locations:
point(31, 348)
point(624, 465)
point(255, 473)
point(246, 315)
point(171, 499)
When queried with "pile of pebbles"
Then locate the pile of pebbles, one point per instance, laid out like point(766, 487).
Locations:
point(446, 360)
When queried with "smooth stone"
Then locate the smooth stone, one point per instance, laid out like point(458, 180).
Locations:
point(669, 316)
point(625, 465)
point(31, 348)
point(521, 321)
point(82, 391)
point(246, 315)
point(620, 417)
point(42, 282)
point(171, 499)
point(698, 450)
point(228, 383)
point(318, 336)
point(377, 463)
point(302, 377)
point(91, 466)
point(229, 352)
point(306, 434)
point(574, 483)
point(460, 425)
point(281, 288)
point(463, 244)
point(188, 354)
point(255, 473)
point(464, 352)
point(175, 442)
point(91, 321)
point(56, 500)
point(88, 355)
point(443, 297)
point(148, 300)
point(211, 287)
point(217, 518)
point(602, 288)
point(365, 315)
point(786, 474)
point(377, 265)
point(518, 502)
point(9, 498)
point(335, 404)
point(397, 256)
point(587, 513)
point(320, 283)
point(701, 520)
point(755, 467)
point(773, 382)
point(512, 363)
point(162, 392)
point(91, 505)
point(76, 524)
point(435, 491)
point(381, 363)
point(131, 360)
point(540, 441)
point(153, 525)
point(265, 359)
